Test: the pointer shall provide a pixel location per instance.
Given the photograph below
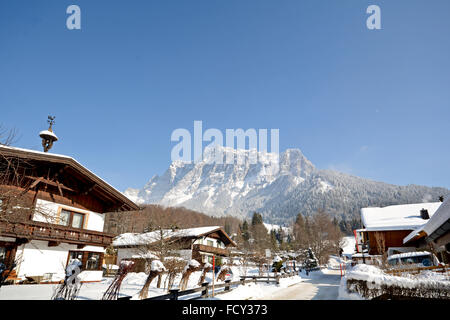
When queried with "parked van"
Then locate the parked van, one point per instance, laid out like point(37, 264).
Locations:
point(413, 259)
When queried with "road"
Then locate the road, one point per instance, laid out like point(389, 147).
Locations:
point(319, 285)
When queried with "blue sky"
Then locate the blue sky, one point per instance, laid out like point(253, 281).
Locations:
point(373, 103)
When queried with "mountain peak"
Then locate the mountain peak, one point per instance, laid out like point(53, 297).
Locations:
point(278, 192)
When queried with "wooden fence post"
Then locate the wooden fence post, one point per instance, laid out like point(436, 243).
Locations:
point(205, 289)
point(227, 285)
point(278, 279)
point(242, 281)
point(174, 294)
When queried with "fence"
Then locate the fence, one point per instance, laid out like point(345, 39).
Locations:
point(206, 286)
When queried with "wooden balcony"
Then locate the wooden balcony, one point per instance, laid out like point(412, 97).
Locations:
point(33, 230)
point(210, 249)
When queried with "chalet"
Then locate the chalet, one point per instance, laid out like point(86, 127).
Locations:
point(435, 232)
point(385, 228)
point(200, 244)
point(52, 210)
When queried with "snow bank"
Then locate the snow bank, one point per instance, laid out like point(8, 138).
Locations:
point(376, 277)
point(134, 278)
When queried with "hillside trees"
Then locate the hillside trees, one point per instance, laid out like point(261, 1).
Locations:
point(320, 233)
point(151, 216)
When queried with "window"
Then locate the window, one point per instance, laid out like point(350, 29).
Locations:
point(71, 219)
point(89, 260)
point(2, 255)
point(7, 253)
point(76, 255)
point(210, 243)
point(64, 218)
point(93, 261)
point(77, 220)
point(424, 260)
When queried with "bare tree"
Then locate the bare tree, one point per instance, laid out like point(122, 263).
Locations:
point(16, 203)
point(319, 233)
point(224, 270)
point(7, 136)
point(157, 268)
point(191, 267)
point(174, 266)
point(207, 267)
point(113, 290)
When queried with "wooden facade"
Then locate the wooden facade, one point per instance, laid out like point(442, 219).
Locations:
point(58, 179)
point(54, 234)
point(29, 178)
point(386, 239)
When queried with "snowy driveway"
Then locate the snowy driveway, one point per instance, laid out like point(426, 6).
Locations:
point(319, 285)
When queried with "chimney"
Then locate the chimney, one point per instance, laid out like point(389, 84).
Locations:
point(424, 214)
point(441, 198)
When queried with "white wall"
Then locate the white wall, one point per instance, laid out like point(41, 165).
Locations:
point(94, 221)
point(7, 239)
point(216, 242)
point(36, 258)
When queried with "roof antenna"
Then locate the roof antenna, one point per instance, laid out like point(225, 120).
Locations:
point(48, 137)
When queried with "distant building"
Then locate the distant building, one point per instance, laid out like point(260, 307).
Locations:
point(200, 244)
point(385, 228)
point(52, 210)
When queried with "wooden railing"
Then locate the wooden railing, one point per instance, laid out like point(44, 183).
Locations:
point(34, 230)
point(211, 249)
point(206, 287)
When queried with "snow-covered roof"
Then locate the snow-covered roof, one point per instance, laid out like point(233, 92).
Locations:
point(397, 217)
point(146, 255)
point(441, 216)
point(136, 239)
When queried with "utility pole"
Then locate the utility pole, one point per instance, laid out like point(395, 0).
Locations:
point(213, 274)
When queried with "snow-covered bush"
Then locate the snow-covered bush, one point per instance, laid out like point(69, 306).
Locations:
point(371, 282)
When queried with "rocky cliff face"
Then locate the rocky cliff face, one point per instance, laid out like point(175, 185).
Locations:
point(279, 193)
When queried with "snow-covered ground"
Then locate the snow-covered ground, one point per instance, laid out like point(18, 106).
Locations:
point(260, 290)
point(349, 245)
point(302, 286)
point(131, 286)
point(317, 285)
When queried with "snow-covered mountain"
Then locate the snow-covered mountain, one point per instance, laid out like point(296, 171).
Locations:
point(241, 189)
